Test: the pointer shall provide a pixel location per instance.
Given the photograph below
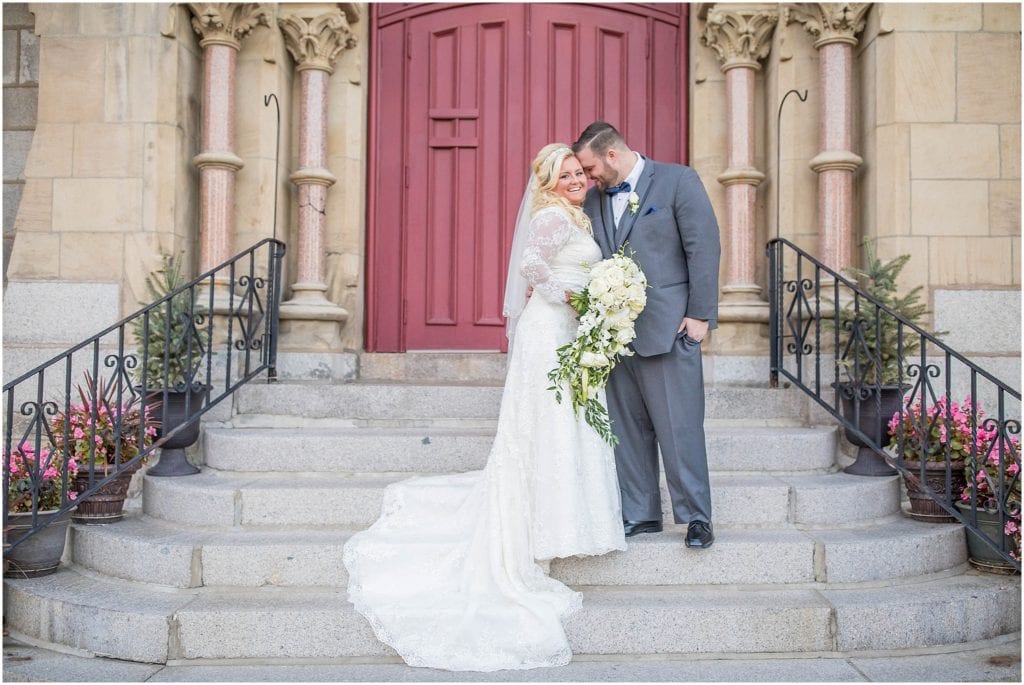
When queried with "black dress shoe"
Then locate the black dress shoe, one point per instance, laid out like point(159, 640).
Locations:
point(699, 534)
point(637, 527)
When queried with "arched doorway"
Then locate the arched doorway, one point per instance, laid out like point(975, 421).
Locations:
point(461, 96)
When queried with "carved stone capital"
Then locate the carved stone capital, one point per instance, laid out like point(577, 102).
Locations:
point(226, 23)
point(831, 22)
point(316, 40)
point(741, 36)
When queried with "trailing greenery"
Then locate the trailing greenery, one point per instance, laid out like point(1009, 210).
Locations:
point(167, 343)
point(870, 349)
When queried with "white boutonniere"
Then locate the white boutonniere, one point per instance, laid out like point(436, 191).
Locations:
point(634, 203)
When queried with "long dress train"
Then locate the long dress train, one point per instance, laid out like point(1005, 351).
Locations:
point(447, 576)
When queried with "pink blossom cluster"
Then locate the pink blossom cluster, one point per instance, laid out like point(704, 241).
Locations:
point(98, 430)
point(960, 428)
point(21, 462)
point(945, 423)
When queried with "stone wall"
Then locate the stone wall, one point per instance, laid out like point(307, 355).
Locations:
point(940, 130)
point(21, 86)
point(937, 123)
point(108, 177)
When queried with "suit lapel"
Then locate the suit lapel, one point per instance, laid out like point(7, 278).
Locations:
point(607, 221)
point(643, 187)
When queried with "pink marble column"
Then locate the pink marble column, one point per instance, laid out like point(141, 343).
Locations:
point(741, 36)
point(217, 162)
point(314, 35)
point(741, 180)
point(313, 180)
point(222, 27)
point(836, 163)
point(835, 25)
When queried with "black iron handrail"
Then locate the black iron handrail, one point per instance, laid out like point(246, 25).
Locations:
point(822, 330)
point(204, 339)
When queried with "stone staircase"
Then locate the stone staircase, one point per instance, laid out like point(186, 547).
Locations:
point(243, 561)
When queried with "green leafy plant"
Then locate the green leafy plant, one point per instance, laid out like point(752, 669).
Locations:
point(871, 353)
point(172, 343)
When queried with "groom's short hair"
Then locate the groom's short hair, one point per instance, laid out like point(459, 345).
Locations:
point(600, 137)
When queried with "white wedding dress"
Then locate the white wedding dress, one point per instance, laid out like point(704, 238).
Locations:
point(447, 575)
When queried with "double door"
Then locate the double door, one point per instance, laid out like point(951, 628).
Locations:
point(463, 97)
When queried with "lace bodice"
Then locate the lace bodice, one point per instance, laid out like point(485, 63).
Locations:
point(557, 254)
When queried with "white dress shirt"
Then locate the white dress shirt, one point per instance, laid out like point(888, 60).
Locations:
point(621, 200)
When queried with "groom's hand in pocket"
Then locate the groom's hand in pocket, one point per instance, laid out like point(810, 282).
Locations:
point(696, 329)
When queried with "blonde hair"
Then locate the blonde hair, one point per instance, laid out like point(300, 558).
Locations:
point(547, 166)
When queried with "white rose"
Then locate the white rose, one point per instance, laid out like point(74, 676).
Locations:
point(625, 335)
point(618, 319)
point(592, 360)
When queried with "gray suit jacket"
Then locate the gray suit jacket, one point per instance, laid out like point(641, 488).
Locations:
point(674, 235)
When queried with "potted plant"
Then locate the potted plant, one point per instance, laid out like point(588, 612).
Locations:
point(100, 434)
point(871, 357)
point(172, 344)
point(936, 441)
point(40, 554)
point(987, 492)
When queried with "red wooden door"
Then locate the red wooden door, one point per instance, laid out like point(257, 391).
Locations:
point(461, 98)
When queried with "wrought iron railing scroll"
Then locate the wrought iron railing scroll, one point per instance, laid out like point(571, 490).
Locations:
point(954, 429)
point(102, 403)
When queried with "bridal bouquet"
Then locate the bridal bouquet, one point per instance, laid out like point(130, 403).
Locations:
point(607, 308)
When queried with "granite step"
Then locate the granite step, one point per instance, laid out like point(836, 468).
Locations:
point(444, 449)
point(150, 551)
point(263, 499)
point(136, 623)
point(273, 405)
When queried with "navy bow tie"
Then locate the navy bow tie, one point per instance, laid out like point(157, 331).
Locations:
point(623, 187)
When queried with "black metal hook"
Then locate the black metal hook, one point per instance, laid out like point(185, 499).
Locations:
point(277, 152)
point(778, 150)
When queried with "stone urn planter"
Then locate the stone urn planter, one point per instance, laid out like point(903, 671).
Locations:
point(107, 504)
point(40, 554)
point(173, 461)
point(922, 506)
point(871, 422)
point(979, 554)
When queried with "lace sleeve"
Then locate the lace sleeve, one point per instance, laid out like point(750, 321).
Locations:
point(549, 231)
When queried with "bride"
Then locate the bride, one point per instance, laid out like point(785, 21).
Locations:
point(449, 575)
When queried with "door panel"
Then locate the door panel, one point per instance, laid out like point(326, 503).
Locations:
point(460, 98)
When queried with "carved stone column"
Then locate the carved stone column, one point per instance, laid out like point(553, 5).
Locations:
point(315, 35)
point(222, 26)
point(835, 26)
point(741, 36)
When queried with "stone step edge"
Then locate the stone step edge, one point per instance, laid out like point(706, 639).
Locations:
point(1006, 640)
point(670, 527)
point(760, 591)
point(847, 618)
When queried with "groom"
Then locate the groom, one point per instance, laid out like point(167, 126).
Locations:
point(657, 396)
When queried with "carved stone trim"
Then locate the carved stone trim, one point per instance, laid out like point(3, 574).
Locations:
point(310, 176)
point(226, 23)
point(218, 160)
point(831, 22)
point(749, 176)
point(316, 41)
point(842, 160)
point(740, 36)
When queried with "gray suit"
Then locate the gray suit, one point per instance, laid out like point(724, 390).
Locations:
point(657, 396)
